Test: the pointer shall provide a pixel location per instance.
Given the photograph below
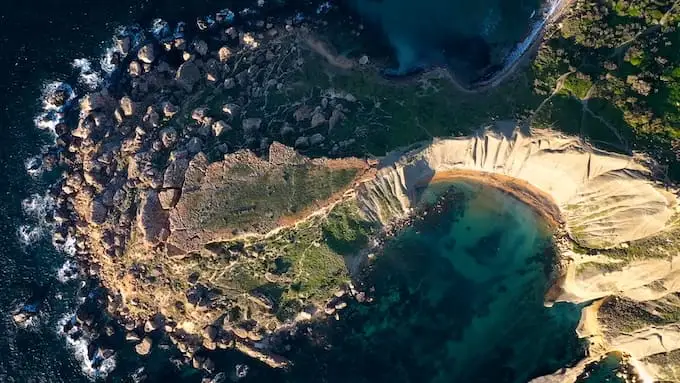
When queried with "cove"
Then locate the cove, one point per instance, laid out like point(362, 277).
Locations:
point(459, 297)
point(472, 38)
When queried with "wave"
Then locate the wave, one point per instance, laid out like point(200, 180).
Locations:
point(68, 271)
point(87, 76)
point(28, 235)
point(96, 368)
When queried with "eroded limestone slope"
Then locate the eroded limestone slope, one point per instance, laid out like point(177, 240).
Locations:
point(604, 198)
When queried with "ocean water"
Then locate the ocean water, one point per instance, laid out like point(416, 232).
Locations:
point(472, 38)
point(458, 298)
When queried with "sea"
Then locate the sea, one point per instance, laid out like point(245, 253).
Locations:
point(458, 296)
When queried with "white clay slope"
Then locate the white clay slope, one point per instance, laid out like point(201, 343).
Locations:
point(605, 198)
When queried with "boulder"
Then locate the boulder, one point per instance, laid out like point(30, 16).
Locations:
point(224, 54)
point(210, 332)
point(336, 117)
point(251, 124)
point(174, 173)
point(122, 44)
point(201, 47)
point(146, 54)
point(144, 347)
point(194, 145)
point(229, 83)
point(199, 114)
point(188, 75)
point(135, 69)
point(231, 110)
point(220, 127)
point(169, 198)
point(127, 106)
point(302, 142)
point(317, 119)
point(169, 109)
point(316, 139)
point(97, 213)
point(168, 137)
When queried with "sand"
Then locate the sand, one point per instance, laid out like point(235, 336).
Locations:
point(602, 200)
point(605, 199)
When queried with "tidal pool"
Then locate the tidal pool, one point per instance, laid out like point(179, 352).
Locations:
point(472, 38)
point(459, 297)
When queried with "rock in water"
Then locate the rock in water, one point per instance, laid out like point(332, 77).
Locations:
point(144, 347)
point(146, 54)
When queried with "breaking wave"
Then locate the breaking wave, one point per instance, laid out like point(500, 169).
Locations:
point(100, 366)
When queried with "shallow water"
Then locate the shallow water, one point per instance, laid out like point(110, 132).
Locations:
point(470, 37)
point(458, 298)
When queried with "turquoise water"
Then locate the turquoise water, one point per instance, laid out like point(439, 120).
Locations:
point(458, 298)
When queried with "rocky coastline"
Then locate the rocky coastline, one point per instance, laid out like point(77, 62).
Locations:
point(194, 116)
point(191, 92)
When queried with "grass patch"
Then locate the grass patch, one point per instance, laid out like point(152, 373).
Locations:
point(345, 231)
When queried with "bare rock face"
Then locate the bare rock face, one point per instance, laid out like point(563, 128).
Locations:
point(146, 54)
point(168, 198)
point(174, 173)
point(188, 74)
point(152, 219)
point(144, 347)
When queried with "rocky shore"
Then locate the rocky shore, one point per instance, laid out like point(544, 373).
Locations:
point(131, 153)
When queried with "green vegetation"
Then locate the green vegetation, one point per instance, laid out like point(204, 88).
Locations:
point(249, 199)
point(627, 52)
point(578, 84)
point(345, 231)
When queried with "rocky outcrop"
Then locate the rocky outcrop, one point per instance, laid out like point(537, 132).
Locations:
point(152, 219)
point(246, 194)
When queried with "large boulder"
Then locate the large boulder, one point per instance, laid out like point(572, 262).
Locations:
point(146, 54)
point(144, 347)
point(174, 173)
point(188, 75)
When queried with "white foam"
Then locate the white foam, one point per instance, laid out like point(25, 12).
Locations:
point(87, 76)
point(52, 87)
point(29, 235)
point(67, 272)
point(38, 206)
point(33, 166)
point(79, 349)
point(160, 28)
